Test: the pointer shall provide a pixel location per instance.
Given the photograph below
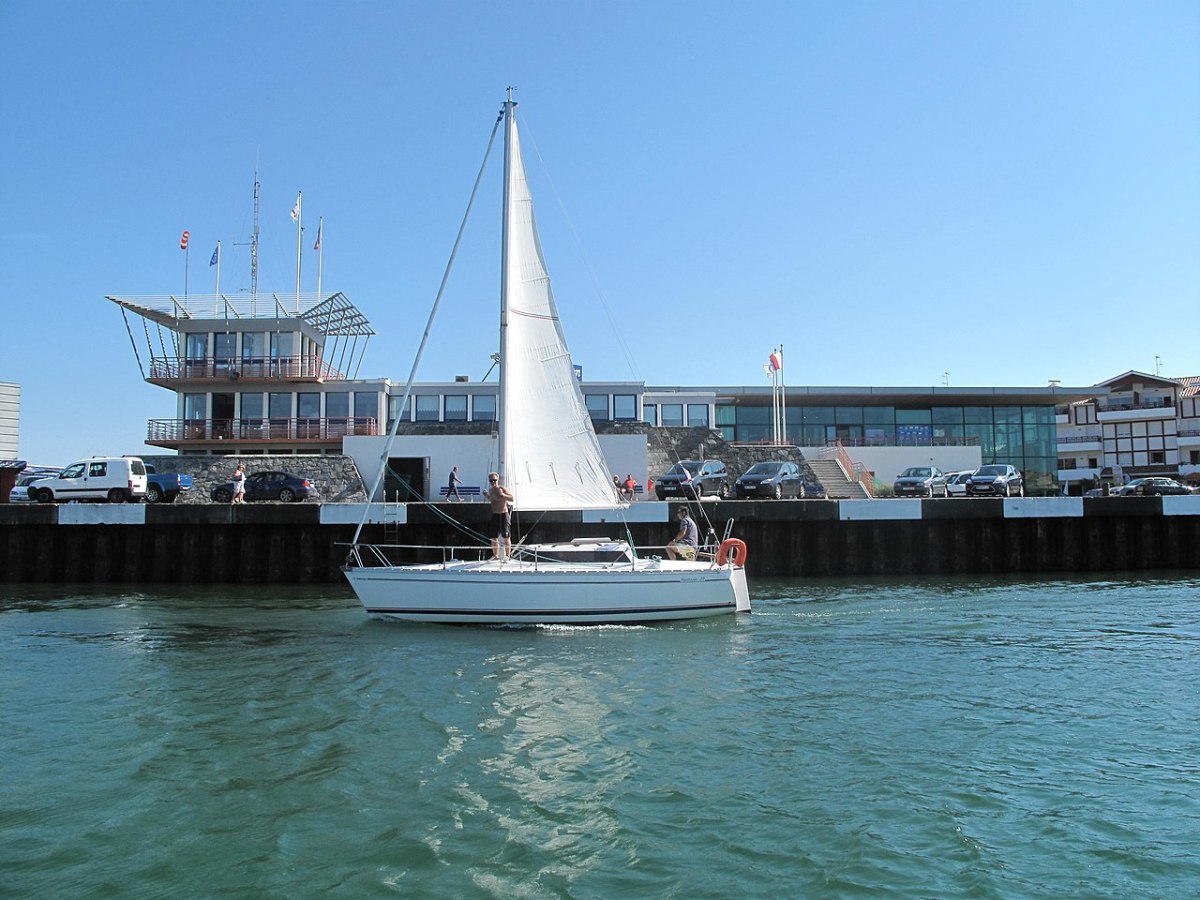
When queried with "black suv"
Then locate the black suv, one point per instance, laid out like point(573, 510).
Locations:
point(693, 478)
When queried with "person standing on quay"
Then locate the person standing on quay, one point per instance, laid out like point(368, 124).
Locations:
point(452, 488)
point(501, 499)
point(239, 485)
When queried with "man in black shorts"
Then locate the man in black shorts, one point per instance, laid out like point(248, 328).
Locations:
point(501, 499)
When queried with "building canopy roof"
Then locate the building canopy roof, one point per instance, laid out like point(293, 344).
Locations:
point(329, 314)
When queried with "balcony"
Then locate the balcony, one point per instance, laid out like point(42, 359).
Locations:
point(177, 433)
point(1079, 442)
point(1126, 412)
point(171, 371)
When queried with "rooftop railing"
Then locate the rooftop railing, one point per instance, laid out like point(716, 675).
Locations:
point(182, 431)
point(288, 368)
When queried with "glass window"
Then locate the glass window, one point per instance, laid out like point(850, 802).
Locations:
point(650, 413)
point(393, 405)
point(484, 408)
point(197, 346)
point(672, 415)
point(727, 414)
point(366, 404)
point(879, 415)
point(848, 415)
point(749, 415)
point(429, 407)
point(225, 346)
point(697, 415)
point(283, 344)
point(597, 406)
point(280, 406)
point(914, 417)
point(817, 415)
point(337, 405)
point(195, 406)
point(254, 346)
point(456, 407)
point(252, 406)
point(947, 415)
point(308, 405)
point(624, 407)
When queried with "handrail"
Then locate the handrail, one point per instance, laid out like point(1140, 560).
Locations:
point(234, 368)
point(268, 428)
point(855, 471)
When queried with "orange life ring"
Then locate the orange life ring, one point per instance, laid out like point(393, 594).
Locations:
point(734, 546)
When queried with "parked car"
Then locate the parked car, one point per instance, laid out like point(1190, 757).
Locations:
point(20, 491)
point(814, 490)
point(694, 478)
point(920, 481)
point(164, 488)
point(996, 481)
point(956, 483)
point(1155, 487)
point(268, 486)
point(775, 480)
point(117, 479)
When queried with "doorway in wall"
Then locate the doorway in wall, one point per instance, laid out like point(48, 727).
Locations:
point(222, 416)
point(407, 479)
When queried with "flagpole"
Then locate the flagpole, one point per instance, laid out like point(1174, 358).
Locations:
point(774, 405)
point(299, 216)
point(782, 395)
point(320, 252)
point(218, 271)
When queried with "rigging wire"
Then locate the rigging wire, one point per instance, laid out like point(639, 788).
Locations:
point(387, 447)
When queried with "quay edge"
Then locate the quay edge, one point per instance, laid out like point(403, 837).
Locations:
point(306, 543)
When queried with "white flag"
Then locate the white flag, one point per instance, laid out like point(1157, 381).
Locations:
point(296, 210)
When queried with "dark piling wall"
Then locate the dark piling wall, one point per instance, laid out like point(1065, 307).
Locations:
point(282, 544)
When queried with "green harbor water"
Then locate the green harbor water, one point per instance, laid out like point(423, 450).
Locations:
point(941, 737)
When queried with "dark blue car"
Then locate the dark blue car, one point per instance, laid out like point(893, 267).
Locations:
point(268, 486)
point(773, 480)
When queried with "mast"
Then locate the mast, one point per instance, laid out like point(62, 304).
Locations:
point(254, 239)
point(506, 213)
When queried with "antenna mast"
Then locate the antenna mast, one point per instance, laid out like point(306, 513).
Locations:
point(254, 240)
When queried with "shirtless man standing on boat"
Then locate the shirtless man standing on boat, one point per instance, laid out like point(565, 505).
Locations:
point(500, 497)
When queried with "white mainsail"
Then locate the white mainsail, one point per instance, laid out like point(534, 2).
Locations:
point(549, 454)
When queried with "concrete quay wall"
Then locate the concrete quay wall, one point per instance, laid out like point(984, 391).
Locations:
point(275, 543)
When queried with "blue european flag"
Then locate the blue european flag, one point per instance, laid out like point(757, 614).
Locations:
point(216, 255)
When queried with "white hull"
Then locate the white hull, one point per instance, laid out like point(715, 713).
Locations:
point(517, 592)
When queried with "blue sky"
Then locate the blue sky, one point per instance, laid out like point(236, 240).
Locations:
point(899, 193)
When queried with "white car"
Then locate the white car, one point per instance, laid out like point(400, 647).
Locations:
point(117, 479)
point(20, 491)
point(956, 483)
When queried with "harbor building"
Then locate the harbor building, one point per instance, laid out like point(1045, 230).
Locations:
point(1135, 425)
point(276, 374)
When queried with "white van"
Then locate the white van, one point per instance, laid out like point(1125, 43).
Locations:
point(117, 479)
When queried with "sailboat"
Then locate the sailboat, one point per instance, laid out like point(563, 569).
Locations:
point(548, 455)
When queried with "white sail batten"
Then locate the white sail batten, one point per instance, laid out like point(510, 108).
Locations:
point(551, 454)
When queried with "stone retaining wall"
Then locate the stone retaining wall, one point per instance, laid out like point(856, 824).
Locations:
point(337, 477)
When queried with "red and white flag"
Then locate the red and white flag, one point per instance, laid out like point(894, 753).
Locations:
point(775, 362)
point(183, 239)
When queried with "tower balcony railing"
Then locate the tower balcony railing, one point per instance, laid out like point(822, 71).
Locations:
point(172, 432)
point(279, 368)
